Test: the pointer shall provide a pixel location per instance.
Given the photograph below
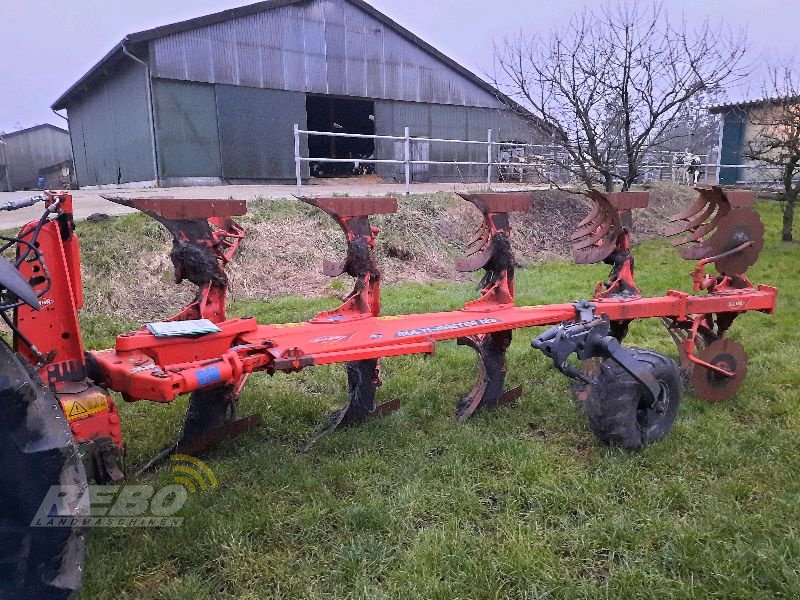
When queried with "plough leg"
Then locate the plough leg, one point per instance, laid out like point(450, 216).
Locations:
point(205, 239)
point(603, 237)
point(363, 377)
point(488, 389)
point(491, 251)
point(731, 239)
point(363, 381)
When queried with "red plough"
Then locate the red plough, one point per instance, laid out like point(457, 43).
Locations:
point(632, 397)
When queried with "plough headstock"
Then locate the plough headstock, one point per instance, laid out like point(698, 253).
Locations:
point(205, 238)
point(602, 236)
point(352, 215)
point(490, 248)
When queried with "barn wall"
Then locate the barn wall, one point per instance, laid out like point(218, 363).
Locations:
point(256, 132)
point(186, 129)
point(321, 47)
point(220, 133)
point(111, 131)
point(29, 151)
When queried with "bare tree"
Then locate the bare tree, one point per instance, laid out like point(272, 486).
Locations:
point(611, 86)
point(695, 129)
point(775, 143)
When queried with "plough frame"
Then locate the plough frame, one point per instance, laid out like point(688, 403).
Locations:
point(213, 366)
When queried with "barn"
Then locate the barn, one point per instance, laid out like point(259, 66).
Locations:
point(24, 153)
point(215, 99)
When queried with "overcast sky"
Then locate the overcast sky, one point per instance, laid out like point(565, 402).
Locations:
point(46, 45)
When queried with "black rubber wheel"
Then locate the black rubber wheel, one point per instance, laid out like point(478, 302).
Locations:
point(618, 405)
point(37, 452)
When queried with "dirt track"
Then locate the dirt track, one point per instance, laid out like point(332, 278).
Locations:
point(88, 202)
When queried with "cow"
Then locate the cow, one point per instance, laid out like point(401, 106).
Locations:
point(686, 168)
point(692, 172)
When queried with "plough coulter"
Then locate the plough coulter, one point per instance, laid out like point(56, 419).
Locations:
point(61, 426)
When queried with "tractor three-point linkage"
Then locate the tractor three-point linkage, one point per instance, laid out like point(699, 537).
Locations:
point(58, 394)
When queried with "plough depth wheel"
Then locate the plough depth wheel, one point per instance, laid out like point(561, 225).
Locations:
point(618, 406)
point(38, 452)
point(713, 386)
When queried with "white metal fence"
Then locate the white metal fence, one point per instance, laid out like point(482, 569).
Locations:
point(407, 161)
point(547, 163)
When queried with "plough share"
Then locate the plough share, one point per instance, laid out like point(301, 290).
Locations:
point(631, 395)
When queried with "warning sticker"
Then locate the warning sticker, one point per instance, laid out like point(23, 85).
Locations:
point(84, 406)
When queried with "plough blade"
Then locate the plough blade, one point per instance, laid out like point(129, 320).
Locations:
point(210, 419)
point(363, 380)
point(490, 249)
point(352, 215)
point(488, 389)
point(205, 239)
point(595, 238)
point(722, 228)
point(601, 236)
point(698, 221)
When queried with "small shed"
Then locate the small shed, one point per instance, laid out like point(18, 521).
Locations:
point(741, 123)
point(23, 153)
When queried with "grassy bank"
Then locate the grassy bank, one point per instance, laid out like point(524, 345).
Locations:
point(519, 503)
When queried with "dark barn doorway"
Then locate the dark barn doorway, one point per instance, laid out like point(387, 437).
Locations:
point(340, 115)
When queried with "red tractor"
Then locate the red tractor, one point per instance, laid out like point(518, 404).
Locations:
point(60, 426)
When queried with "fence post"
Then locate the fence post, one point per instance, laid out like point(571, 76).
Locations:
point(298, 171)
point(489, 161)
point(407, 158)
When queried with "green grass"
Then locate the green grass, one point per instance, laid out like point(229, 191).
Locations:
point(518, 503)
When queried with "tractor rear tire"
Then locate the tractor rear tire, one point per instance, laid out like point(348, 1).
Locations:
point(38, 452)
point(618, 406)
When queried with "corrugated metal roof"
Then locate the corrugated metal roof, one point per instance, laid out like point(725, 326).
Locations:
point(268, 50)
point(251, 67)
point(742, 104)
point(34, 128)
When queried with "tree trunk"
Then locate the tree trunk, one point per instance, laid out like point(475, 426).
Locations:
point(626, 184)
point(609, 182)
point(788, 217)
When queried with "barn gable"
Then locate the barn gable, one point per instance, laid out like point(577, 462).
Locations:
point(323, 47)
